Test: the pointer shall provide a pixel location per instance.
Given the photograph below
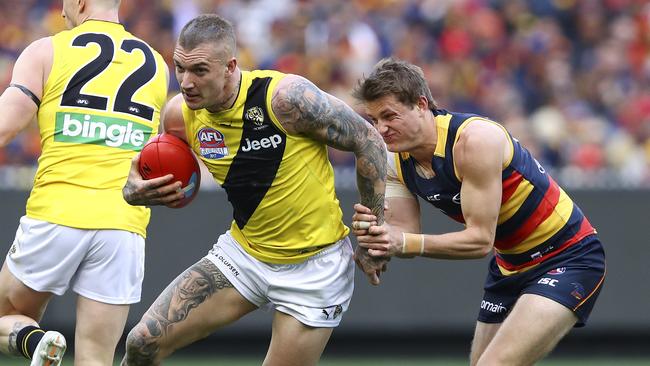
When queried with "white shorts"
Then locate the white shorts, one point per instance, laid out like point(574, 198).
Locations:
point(102, 265)
point(316, 292)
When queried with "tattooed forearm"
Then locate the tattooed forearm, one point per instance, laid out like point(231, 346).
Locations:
point(371, 175)
point(136, 196)
point(302, 108)
point(128, 192)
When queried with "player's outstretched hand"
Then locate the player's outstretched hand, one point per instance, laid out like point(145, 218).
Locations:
point(151, 192)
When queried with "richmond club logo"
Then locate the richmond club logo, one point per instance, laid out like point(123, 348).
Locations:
point(255, 115)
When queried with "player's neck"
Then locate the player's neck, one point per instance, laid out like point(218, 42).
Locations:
point(425, 148)
point(235, 89)
point(102, 15)
point(232, 90)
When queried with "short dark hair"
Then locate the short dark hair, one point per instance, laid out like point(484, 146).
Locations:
point(391, 76)
point(208, 28)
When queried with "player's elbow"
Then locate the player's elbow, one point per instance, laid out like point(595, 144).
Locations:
point(486, 243)
point(482, 242)
point(484, 249)
point(477, 251)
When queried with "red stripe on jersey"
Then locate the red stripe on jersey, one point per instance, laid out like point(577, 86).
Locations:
point(541, 213)
point(510, 185)
point(585, 230)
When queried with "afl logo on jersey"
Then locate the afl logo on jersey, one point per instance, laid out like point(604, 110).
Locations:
point(212, 145)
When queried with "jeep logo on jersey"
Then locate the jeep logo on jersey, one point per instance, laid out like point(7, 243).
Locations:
point(212, 145)
point(83, 128)
point(255, 115)
point(270, 142)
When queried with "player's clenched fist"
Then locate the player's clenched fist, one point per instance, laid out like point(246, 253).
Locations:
point(382, 240)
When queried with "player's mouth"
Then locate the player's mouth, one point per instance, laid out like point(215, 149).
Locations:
point(388, 138)
point(191, 97)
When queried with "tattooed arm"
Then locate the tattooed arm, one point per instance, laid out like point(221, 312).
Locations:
point(304, 109)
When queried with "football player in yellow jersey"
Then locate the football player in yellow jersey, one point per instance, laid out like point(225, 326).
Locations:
point(548, 264)
point(264, 136)
point(96, 92)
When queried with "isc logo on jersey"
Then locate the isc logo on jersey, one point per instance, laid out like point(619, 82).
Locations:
point(212, 145)
point(100, 130)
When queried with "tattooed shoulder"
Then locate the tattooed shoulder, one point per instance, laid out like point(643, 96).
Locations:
point(303, 108)
point(299, 104)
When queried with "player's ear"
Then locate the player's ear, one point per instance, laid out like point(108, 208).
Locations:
point(81, 5)
point(231, 65)
point(423, 103)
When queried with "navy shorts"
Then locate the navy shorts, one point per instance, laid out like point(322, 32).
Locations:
point(572, 278)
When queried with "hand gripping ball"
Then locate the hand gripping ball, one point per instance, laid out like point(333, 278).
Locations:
point(167, 154)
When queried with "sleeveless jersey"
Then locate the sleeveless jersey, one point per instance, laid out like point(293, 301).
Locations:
point(101, 103)
point(537, 219)
point(281, 186)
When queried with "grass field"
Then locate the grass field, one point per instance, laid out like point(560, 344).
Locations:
point(363, 361)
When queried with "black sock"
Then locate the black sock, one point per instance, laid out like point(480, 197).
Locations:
point(28, 339)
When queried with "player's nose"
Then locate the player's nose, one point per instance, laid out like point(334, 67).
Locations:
point(186, 81)
point(381, 126)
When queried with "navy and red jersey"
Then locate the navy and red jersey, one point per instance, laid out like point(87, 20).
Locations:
point(537, 219)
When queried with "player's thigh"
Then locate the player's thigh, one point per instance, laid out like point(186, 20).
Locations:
point(99, 328)
point(483, 335)
point(294, 343)
point(543, 322)
point(195, 304)
point(16, 298)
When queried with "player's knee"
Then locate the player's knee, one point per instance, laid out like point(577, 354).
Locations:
point(141, 347)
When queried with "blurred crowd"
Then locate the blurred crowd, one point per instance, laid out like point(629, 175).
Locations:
point(568, 78)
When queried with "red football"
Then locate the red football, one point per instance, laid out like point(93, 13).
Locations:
point(167, 154)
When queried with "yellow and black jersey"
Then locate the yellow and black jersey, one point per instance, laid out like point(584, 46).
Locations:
point(537, 219)
point(281, 186)
point(101, 103)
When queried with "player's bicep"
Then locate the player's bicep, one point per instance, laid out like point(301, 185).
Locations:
point(29, 70)
point(172, 120)
point(302, 108)
point(480, 202)
point(19, 102)
point(403, 212)
point(480, 160)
